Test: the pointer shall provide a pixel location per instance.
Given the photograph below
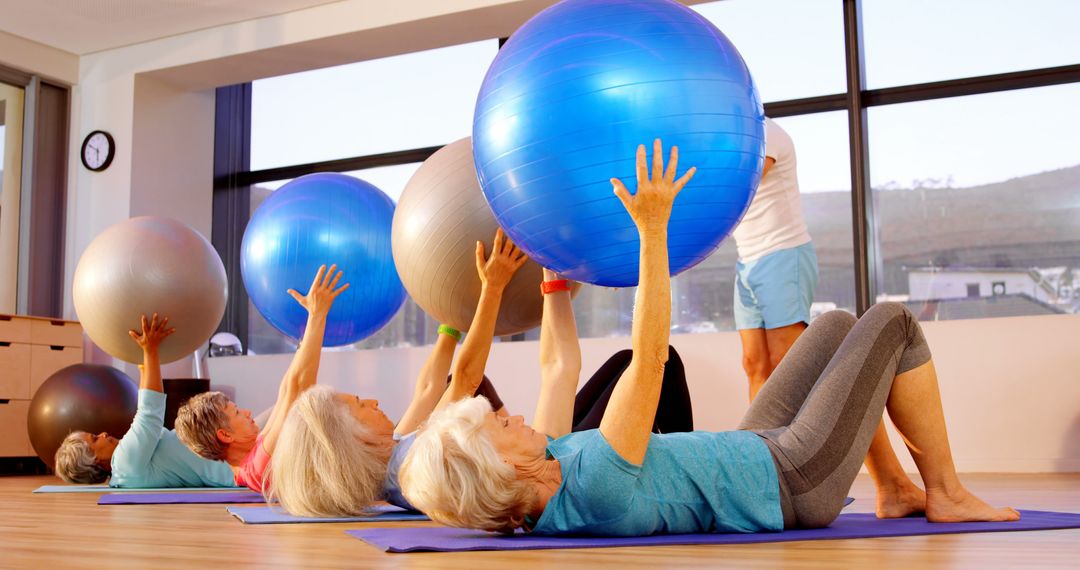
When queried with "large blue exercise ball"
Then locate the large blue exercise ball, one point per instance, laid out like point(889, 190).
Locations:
point(321, 219)
point(567, 101)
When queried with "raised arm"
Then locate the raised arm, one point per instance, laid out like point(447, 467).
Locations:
point(149, 339)
point(628, 420)
point(560, 360)
point(136, 448)
point(304, 369)
point(495, 273)
point(430, 383)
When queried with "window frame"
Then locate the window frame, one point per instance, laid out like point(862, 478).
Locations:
point(855, 101)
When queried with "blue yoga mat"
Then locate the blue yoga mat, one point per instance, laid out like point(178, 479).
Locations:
point(858, 525)
point(244, 496)
point(108, 489)
point(274, 515)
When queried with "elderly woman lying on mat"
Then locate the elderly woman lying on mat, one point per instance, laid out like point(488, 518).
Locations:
point(148, 455)
point(337, 454)
point(214, 427)
point(789, 465)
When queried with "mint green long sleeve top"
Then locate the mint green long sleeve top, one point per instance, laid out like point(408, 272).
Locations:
point(150, 456)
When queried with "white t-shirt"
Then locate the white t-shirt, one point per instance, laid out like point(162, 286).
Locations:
point(774, 220)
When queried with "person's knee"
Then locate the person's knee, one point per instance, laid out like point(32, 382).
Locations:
point(889, 309)
point(836, 318)
point(756, 364)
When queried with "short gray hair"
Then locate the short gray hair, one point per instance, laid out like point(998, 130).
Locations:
point(76, 462)
point(454, 474)
point(198, 421)
point(324, 462)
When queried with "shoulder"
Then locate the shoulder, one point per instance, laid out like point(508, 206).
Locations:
point(777, 141)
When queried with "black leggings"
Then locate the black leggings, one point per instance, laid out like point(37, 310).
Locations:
point(673, 414)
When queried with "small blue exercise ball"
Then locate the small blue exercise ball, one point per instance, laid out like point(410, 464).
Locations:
point(322, 219)
point(567, 101)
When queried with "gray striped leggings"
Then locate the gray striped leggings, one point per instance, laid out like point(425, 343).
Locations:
point(819, 409)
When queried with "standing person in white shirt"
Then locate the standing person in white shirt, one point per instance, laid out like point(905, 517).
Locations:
point(777, 271)
point(776, 277)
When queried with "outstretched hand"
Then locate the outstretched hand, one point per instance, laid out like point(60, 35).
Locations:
point(650, 206)
point(505, 260)
point(153, 332)
point(323, 291)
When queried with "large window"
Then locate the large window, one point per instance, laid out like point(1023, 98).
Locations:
point(971, 202)
point(978, 202)
point(396, 103)
point(918, 41)
point(794, 48)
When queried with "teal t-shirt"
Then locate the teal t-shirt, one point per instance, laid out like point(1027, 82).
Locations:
point(151, 456)
point(689, 483)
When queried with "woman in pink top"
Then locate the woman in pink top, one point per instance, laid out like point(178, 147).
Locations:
point(214, 427)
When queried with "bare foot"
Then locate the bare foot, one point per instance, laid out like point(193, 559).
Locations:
point(899, 502)
point(961, 506)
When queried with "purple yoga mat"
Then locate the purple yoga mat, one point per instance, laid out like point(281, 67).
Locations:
point(216, 497)
point(859, 525)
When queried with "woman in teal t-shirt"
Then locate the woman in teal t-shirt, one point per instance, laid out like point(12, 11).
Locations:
point(791, 464)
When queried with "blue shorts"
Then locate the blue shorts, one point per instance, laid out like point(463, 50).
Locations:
point(776, 290)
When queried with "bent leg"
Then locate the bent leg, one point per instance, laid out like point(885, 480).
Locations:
point(674, 412)
point(781, 398)
point(821, 451)
point(915, 407)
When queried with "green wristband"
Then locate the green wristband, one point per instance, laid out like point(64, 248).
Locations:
point(448, 330)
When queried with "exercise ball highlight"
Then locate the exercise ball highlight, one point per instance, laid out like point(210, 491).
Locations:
point(82, 397)
point(322, 219)
point(564, 106)
point(149, 265)
point(439, 218)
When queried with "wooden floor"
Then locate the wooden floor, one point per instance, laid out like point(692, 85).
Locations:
point(71, 531)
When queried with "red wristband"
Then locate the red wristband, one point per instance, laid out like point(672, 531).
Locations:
point(553, 286)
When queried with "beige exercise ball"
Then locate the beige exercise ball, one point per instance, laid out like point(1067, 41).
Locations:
point(146, 265)
point(439, 218)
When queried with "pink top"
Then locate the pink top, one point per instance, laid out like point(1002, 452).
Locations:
point(255, 466)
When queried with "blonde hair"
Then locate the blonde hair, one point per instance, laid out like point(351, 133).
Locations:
point(198, 421)
point(324, 464)
point(76, 462)
point(454, 474)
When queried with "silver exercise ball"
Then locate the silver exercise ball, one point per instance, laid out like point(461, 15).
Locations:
point(146, 265)
point(439, 218)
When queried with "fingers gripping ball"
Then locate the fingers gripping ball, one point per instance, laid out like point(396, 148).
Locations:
point(143, 266)
point(81, 397)
point(317, 220)
point(439, 218)
point(570, 96)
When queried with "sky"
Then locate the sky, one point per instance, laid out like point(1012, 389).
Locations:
point(794, 49)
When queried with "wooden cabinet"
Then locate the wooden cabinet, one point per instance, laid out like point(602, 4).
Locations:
point(31, 350)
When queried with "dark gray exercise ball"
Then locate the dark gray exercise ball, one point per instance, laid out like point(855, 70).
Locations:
point(82, 397)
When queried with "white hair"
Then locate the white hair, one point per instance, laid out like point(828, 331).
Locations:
point(324, 464)
point(76, 462)
point(454, 474)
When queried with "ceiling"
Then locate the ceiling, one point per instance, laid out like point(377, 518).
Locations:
point(88, 26)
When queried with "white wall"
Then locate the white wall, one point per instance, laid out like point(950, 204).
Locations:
point(1010, 387)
